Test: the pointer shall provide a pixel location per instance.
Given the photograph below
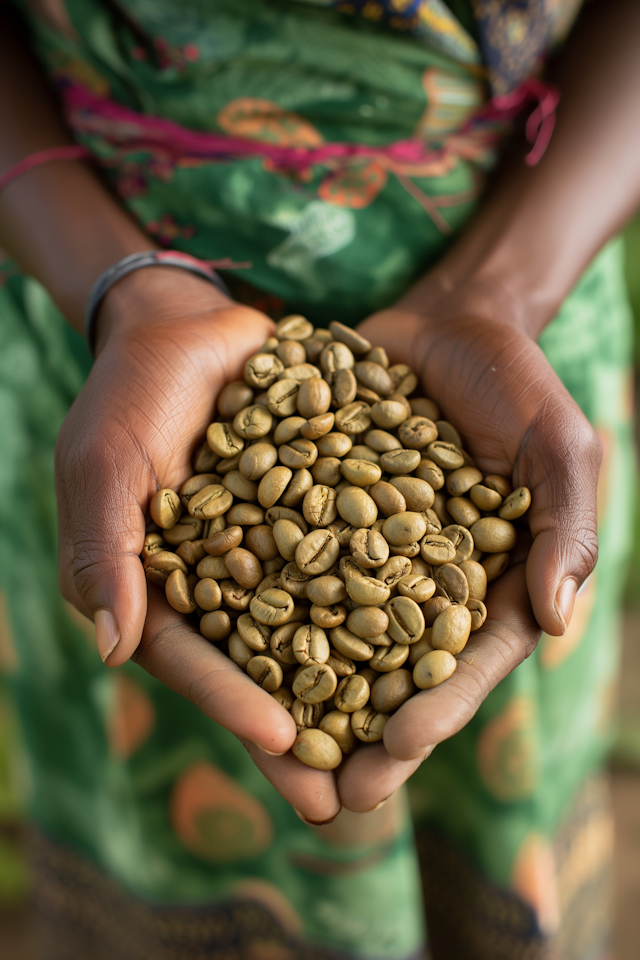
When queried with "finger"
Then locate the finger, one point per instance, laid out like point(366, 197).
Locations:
point(372, 775)
point(490, 655)
point(562, 517)
point(312, 793)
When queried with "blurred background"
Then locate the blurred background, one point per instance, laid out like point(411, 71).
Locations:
point(624, 761)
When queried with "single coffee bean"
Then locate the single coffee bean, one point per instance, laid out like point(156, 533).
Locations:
point(429, 471)
point(281, 644)
point(273, 566)
point(393, 571)
point(493, 535)
point(235, 596)
point(288, 429)
point(215, 626)
point(325, 591)
point(314, 397)
point(214, 567)
point(351, 646)
point(317, 749)
point(378, 355)
point(374, 377)
point(207, 594)
point(239, 652)
point(273, 485)
point(306, 716)
point(462, 480)
point(391, 690)
point(516, 504)
point(195, 483)
point(239, 486)
point(403, 528)
point(366, 395)
point(294, 581)
point(360, 473)
point(341, 665)
point(448, 433)
point(318, 426)
point(294, 327)
point(386, 659)
point(418, 649)
point(271, 580)
point(153, 543)
point(310, 645)
point(452, 583)
point(406, 620)
point(191, 551)
point(187, 528)
point(315, 682)
point(368, 725)
point(204, 459)
point(342, 334)
point(253, 422)
point(420, 568)
point(244, 567)
point(245, 514)
point(224, 440)
point(287, 536)
point(282, 397)
point(263, 369)
point(484, 498)
point(233, 398)
point(418, 494)
point(344, 387)
point(319, 506)
point(451, 629)
point(338, 726)
point(317, 552)
point(400, 461)
point(417, 587)
point(495, 565)
point(298, 453)
point(273, 607)
point(356, 507)
point(178, 592)
point(367, 622)
point(410, 550)
point(404, 379)
point(334, 445)
point(336, 356)
point(495, 482)
point(367, 591)
point(266, 672)
point(476, 578)
point(216, 525)
point(461, 540)
point(387, 498)
point(463, 511)
point(300, 372)
point(445, 455)
point(228, 464)
point(284, 696)
point(210, 502)
point(291, 352)
point(299, 485)
point(260, 541)
point(417, 432)
point(257, 460)
point(369, 548)
point(352, 693)
point(433, 669)
point(437, 549)
point(478, 613)
point(326, 470)
point(354, 418)
point(360, 451)
point(382, 441)
point(165, 508)
point(254, 633)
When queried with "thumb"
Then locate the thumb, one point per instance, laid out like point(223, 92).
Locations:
point(101, 537)
point(563, 517)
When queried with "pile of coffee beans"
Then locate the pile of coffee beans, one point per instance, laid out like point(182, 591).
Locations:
point(336, 539)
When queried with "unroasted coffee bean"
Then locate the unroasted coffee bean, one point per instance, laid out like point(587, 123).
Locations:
point(334, 444)
point(239, 652)
point(516, 504)
point(288, 429)
point(224, 440)
point(281, 644)
point(178, 592)
point(391, 690)
point(298, 453)
point(239, 486)
point(244, 567)
point(260, 541)
point(463, 511)
point(273, 607)
point(207, 594)
point(344, 387)
point(355, 342)
point(214, 567)
point(386, 659)
point(191, 551)
point(317, 749)
point(235, 596)
point(433, 608)
point(387, 498)
point(367, 623)
point(215, 626)
point(317, 552)
point(437, 549)
point(287, 536)
point(476, 578)
point(430, 471)
point(266, 672)
point(484, 498)
point(361, 473)
point(433, 669)
point(493, 535)
point(351, 646)
point(165, 508)
point(291, 352)
point(369, 548)
point(495, 565)
point(403, 528)
point(495, 482)
point(353, 418)
point(285, 697)
point(317, 427)
point(254, 633)
point(187, 528)
point(374, 377)
point(357, 507)
point(245, 514)
point(306, 716)
point(257, 460)
point(368, 725)
point(326, 470)
point(478, 613)
point(462, 541)
point(461, 481)
point(273, 485)
point(338, 726)
point(418, 494)
point(451, 583)
point(445, 455)
point(406, 620)
point(393, 570)
point(451, 629)
point(336, 356)
point(310, 645)
point(210, 502)
point(417, 432)
point(400, 461)
point(300, 372)
point(253, 422)
point(262, 370)
point(220, 543)
point(314, 397)
point(418, 649)
point(417, 587)
point(299, 485)
point(294, 327)
point(319, 506)
point(327, 590)
point(294, 581)
point(233, 398)
point(367, 591)
point(195, 483)
point(315, 682)
point(351, 694)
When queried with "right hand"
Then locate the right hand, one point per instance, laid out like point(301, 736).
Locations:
point(167, 344)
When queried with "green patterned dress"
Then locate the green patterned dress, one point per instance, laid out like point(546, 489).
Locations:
point(154, 836)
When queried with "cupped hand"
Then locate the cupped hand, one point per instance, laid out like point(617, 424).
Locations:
point(493, 382)
point(167, 343)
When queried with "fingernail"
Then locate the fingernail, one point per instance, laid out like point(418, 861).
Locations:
point(565, 599)
point(314, 823)
point(379, 805)
point(271, 753)
point(107, 633)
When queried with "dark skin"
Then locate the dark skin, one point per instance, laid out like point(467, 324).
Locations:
point(469, 327)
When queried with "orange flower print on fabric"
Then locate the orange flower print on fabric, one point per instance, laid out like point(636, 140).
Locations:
point(130, 719)
point(260, 891)
point(254, 119)
point(507, 752)
point(534, 878)
point(555, 650)
point(355, 186)
point(216, 819)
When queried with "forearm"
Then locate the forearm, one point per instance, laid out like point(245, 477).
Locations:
point(58, 221)
point(540, 227)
